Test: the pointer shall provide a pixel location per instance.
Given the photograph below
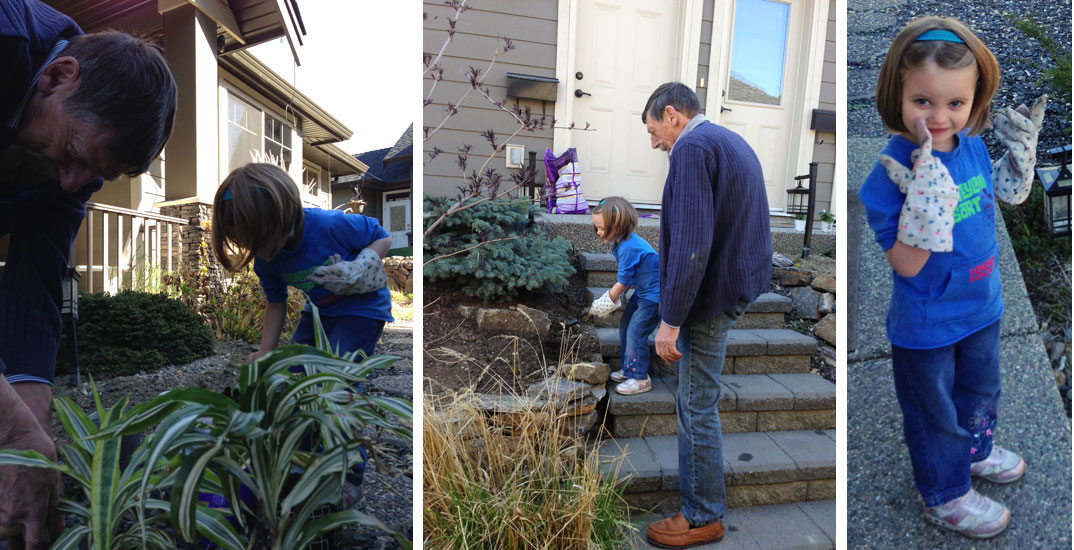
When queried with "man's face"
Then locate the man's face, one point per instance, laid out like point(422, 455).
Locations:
point(77, 148)
point(663, 132)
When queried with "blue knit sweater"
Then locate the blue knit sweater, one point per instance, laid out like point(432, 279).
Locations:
point(42, 223)
point(715, 243)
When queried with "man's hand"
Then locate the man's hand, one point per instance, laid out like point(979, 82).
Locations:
point(665, 343)
point(28, 496)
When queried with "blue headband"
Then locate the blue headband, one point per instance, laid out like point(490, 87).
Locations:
point(227, 195)
point(939, 35)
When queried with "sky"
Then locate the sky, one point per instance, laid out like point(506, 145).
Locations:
point(360, 63)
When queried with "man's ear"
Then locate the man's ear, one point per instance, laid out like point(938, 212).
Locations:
point(673, 116)
point(61, 72)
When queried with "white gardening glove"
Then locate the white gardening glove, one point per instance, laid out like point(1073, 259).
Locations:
point(927, 220)
point(604, 306)
point(361, 275)
point(1017, 129)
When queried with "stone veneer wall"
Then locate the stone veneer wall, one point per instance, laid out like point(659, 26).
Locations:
point(194, 240)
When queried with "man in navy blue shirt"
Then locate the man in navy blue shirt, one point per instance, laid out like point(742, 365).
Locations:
point(715, 258)
point(75, 109)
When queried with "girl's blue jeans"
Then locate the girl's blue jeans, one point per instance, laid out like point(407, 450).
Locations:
point(703, 345)
point(346, 333)
point(638, 322)
point(949, 399)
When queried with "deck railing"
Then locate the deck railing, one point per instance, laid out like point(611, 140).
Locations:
point(119, 248)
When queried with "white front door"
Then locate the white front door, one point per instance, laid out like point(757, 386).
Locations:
point(625, 49)
point(758, 84)
point(397, 217)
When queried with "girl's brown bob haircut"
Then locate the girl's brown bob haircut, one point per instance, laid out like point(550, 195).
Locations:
point(905, 55)
point(256, 211)
point(620, 218)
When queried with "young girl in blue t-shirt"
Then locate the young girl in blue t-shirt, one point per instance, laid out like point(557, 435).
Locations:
point(335, 258)
point(614, 220)
point(930, 199)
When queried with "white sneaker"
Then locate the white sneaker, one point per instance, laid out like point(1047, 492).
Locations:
point(634, 386)
point(972, 514)
point(618, 376)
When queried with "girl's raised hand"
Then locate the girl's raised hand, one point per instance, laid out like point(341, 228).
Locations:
point(1017, 129)
point(927, 220)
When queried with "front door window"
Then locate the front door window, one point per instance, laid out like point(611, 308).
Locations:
point(758, 51)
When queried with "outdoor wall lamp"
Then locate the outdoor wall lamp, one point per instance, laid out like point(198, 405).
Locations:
point(1056, 183)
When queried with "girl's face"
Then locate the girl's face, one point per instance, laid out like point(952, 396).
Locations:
point(598, 226)
point(943, 97)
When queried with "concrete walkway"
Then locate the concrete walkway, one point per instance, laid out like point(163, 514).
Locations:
point(883, 507)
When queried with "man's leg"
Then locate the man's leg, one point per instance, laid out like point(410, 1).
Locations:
point(703, 346)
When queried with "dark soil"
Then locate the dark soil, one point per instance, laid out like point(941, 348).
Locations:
point(456, 355)
point(387, 490)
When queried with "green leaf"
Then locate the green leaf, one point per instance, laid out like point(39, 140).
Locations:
point(185, 490)
point(29, 459)
point(213, 526)
point(310, 530)
point(104, 480)
point(71, 538)
point(75, 422)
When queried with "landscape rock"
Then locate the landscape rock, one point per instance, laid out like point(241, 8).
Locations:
point(558, 390)
point(590, 373)
point(786, 276)
point(508, 403)
point(400, 272)
point(805, 303)
point(539, 318)
point(513, 321)
point(779, 260)
point(825, 329)
point(599, 391)
point(467, 312)
point(585, 406)
point(824, 283)
point(827, 303)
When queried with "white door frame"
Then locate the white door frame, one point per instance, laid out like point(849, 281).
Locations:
point(810, 60)
point(388, 196)
point(686, 57)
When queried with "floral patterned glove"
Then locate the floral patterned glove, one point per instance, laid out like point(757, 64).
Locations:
point(1012, 174)
point(361, 275)
point(927, 220)
point(604, 306)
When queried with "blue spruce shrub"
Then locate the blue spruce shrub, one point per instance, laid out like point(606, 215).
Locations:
point(496, 271)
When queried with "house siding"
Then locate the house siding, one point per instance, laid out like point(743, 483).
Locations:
point(825, 142)
point(532, 27)
point(705, 51)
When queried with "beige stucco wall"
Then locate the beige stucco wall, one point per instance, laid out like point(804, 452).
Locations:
point(532, 27)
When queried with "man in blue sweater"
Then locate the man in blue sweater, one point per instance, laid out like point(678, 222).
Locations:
point(715, 259)
point(75, 109)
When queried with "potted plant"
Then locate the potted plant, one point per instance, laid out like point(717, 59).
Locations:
point(799, 222)
point(828, 218)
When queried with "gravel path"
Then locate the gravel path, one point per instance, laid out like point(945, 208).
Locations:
point(873, 24)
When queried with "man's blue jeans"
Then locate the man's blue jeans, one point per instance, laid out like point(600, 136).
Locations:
point(703, 345)
point(949, 399)
point(638, 323)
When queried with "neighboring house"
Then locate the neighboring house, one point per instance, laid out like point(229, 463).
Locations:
point(232, 109)
point(386, 188)
point(764, 68)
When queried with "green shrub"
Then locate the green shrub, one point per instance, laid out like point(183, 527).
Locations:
point(133, 331)
point(234, 311)
point(1056, 75)
point(508, 253)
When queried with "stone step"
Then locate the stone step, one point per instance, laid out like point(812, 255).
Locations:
point(748, 403)
point(806, 525)
point(749, 351)
point(767, 311)
point(760, 468)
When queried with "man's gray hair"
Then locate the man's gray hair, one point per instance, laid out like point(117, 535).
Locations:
point(675, 94)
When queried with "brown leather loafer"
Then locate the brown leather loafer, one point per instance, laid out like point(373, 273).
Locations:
point(675, 532)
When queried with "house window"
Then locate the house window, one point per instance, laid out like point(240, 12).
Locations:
point(252, 135)
point(278, 140)
point(313, 178)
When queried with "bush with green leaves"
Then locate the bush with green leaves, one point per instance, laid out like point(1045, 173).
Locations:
point(494, 250)
point(202, 441)
point(133, 331)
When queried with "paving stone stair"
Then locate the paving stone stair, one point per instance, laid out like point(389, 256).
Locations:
point(806, 525)
point(760, 468)
point(768, 311)
point(778, 423)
